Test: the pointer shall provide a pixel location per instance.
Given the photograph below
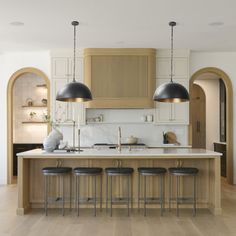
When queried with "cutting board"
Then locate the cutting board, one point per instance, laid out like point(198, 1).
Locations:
point(171, 137)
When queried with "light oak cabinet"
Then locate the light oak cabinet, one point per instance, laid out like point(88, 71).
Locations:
point(120, 78)
point(62, 70)
point(172, 113)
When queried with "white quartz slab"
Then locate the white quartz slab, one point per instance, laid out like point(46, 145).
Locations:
point(153, 152)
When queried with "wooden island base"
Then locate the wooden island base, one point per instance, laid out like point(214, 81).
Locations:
point(31, 182)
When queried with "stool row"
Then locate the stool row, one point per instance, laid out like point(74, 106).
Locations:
point(143, 172)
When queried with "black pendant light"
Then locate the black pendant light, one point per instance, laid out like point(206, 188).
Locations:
point(74, 91)
point(171, 92)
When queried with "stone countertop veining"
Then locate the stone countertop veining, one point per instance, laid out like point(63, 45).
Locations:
point(110, 153)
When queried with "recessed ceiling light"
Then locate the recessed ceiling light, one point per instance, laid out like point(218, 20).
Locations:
point(17, 23)
point(216, 23)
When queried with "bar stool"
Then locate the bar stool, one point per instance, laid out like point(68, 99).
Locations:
point(151, 171)
point(181, 172)
point(90, 172)
point(60, 172)
point(114, 172)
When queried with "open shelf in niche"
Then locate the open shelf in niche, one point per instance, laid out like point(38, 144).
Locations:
point(34, 122)
point(36, 106)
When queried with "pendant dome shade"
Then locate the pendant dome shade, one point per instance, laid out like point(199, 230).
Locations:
point(74, 92)
point(171, 92)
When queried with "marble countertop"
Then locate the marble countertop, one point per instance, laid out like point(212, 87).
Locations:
point(111, 153)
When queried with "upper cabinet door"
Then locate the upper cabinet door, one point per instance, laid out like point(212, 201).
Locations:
point(78, 68)
point(180, 67)
point(120, 78)
point(60, 67)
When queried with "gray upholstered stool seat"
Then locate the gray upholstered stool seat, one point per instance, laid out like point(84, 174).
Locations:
point(119, 170)
point(56, 170)
point(90, 172)
point(61, 173)
point(183, 172)
point(151, 171)
point(111, 173)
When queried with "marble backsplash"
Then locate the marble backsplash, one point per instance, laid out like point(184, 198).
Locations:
point(149, 134)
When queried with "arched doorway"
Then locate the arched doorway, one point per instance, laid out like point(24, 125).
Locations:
point(198, 116)
point(229, 114)
point(10, 87)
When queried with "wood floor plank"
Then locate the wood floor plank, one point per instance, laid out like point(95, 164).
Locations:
point(37, 224)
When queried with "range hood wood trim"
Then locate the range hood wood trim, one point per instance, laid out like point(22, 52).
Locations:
point(144, 101)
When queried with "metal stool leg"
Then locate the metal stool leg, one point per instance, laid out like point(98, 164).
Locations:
point(100, 192)
point(46, 195)
point(95, 194)
point(163, 176)
point(194, 195)
point(63, 196)
point(139, 192)
point(70, 191)
point(177, 197)
point(76, 187)
point(145, 195)
point(128, 194)
point(106, 192)
point(170, 191)
point(111, 195)
point(161, 193)
point(78, 191)
point(131, 192)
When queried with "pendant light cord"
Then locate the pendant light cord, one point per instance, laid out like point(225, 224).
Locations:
point(74, 52)
point(171, 60)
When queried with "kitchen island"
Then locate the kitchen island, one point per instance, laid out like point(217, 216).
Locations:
point(30, 178)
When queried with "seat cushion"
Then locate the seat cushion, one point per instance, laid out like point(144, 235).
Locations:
point(152, 170)
point(121, 170)
point(183, 170)
point(56, 170)
point(87, 170)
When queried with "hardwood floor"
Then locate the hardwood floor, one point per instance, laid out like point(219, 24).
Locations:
point(36, 224)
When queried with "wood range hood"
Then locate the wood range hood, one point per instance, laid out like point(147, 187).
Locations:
point(120, 77)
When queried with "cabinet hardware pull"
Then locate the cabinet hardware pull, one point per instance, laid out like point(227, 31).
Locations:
point(198, 126)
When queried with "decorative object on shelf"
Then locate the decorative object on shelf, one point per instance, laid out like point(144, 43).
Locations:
point(165, 139)
point(44, 101)
point(171, 92)
point(132, 140)
point(170, 138)
point(74, 91)
point(52, 141)
point(29, 102)
point(144, 118)
point(32, 115)
point(150, 118)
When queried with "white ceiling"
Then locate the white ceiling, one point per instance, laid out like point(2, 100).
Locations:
point(117, 23)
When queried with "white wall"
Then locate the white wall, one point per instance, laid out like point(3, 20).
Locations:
point(11, 62)
point(211, 89)
point(225, 61)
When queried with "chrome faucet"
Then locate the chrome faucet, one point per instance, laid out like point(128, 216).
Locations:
point(119, 139)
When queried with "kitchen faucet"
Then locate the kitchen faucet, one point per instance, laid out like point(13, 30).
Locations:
point(119, 139)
